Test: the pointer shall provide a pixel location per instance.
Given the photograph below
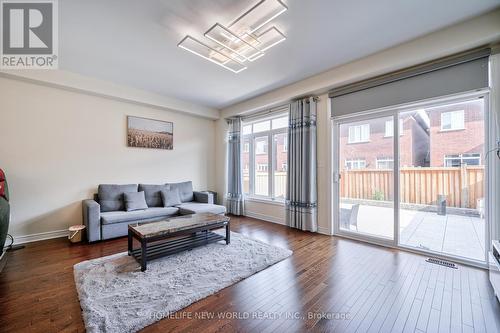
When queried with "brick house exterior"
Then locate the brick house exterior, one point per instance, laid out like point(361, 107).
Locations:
point(423, 141)
point(414, 141)
point(262, 158)
point(467, 140)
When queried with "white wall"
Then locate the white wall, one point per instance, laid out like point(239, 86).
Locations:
point(57, 145)
point(476, 32)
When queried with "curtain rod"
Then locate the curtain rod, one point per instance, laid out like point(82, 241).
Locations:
point(278, 108)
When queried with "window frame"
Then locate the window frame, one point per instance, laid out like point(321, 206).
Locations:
point(356, 161)
point(383, 160)
point(391, 132)
point(271, 155)
point(451, 113)
point(461, 158)
point(361, 139)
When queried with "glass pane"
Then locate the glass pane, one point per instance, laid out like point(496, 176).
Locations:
point(281, 166)
point(245, 163)
point(280, 122)
point(247, 129)
point(442, 179)
point(367, 178)
point(262, 126)
point(261, 158)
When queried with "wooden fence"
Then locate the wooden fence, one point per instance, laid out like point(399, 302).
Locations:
point(462, 186)
point(261, 185)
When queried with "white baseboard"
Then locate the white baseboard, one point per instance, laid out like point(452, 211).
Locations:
point(265, 218)
point(324, 231)
point(321, 230)
point(40, 236)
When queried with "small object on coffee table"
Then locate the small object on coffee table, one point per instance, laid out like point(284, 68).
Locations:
point(176, 234)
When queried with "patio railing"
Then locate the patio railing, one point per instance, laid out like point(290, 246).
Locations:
point(462, 186)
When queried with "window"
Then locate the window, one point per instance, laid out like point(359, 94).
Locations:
point(359, 133)
point(459, 159)
point(247, 129)
point(453, 120)
point(385, 163)
point(355, 164)
point(262, 167)
point(261, 127)
point(280, 122)
point(389, 128)
point(261, 146)
point(267, 157)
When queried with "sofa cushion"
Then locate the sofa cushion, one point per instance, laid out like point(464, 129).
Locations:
point(185, 190)
point(196, 207)
point(137, 215)
point(111, 196)
point(171, 197)
point(134, 201)
point(152, 192)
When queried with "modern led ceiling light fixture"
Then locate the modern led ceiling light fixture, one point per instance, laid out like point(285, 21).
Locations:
point(227, 39)
point(196, 47)
point(245, 39)
point(259, 15)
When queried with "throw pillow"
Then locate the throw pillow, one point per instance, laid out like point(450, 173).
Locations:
point(111, 196)
point(152, 193)
point(171, 197)
point(135, 201)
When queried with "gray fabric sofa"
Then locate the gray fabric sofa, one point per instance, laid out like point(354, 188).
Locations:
point(105, 216)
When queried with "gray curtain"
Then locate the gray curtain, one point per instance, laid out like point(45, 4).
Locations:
point(234, 199)
point(301, 194)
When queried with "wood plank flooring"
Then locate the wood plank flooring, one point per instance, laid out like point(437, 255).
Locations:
point(328, 285)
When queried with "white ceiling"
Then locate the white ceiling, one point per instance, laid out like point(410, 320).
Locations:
point(134, 43)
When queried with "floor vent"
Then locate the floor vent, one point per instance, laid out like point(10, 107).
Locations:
point(442, 263)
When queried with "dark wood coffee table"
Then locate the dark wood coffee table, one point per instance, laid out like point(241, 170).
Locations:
point(173, 235)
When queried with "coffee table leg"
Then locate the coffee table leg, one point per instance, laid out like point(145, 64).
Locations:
point(130, 240)
point(228, 234)
point(143, 255)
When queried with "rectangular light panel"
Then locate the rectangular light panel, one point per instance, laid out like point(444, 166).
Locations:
point(268, 39)
point(196, 47)
point(223, 36)
point(257, 16)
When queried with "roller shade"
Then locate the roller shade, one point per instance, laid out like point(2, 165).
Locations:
point(447, 76)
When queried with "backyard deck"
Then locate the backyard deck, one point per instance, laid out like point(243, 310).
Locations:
point(458, 235)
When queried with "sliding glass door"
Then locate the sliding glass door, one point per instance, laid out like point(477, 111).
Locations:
point(442, 179)
point(366, 177)
point(415, 177)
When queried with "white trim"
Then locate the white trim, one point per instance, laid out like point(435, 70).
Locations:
point(324, 231)
point(40, 236)
point(266, 218)
point(265, 200)
point(493, 184)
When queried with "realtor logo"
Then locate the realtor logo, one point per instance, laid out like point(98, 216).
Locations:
point(29, 34)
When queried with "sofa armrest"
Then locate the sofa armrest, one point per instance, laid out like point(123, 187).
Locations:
point(92, 219)
point(203, 197)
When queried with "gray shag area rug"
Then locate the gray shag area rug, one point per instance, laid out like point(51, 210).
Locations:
point(115, 296)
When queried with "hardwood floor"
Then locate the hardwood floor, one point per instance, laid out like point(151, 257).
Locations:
point(328, 285)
